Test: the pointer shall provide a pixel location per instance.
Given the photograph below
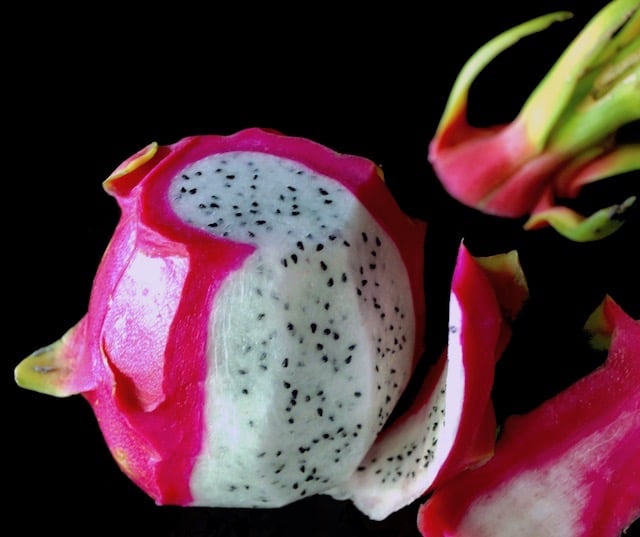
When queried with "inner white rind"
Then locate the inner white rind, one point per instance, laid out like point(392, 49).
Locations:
point(310, 341)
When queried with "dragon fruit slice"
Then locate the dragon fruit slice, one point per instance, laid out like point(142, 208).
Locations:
point(564, 137)
point(451, 426)
point(569, 468)
point(254, 320)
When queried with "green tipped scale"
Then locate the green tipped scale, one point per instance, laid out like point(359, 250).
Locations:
point(565, 135)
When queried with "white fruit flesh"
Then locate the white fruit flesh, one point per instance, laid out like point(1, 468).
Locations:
point(311, 341)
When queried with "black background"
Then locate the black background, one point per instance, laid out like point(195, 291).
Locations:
point(85, 89)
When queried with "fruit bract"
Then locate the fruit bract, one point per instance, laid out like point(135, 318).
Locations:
point(254, 320)
point(564, 137)
point(569, 468)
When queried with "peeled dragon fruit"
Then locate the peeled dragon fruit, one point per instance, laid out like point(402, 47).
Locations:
point(569, 468)
point(254, 321)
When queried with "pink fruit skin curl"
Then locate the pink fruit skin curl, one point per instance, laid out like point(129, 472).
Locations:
point(569, 468)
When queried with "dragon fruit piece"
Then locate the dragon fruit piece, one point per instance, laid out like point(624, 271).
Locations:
point(569, 468)
point(564, 137)
point(252, 324)
point(451, 425)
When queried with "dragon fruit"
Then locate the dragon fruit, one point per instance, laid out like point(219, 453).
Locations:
point(255, 320)
point(569, 468)
point(565, 136)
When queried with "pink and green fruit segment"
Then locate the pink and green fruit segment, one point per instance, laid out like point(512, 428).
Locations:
point(570, 468)
point(254, 321)
point(565, 136)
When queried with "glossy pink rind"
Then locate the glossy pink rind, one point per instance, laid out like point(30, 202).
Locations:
point(571, 466)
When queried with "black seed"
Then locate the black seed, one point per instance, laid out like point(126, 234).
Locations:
point(319, 411)
point(330, 282)
point(213, 224)
point(230, 176)
point(295, 213)
point(242, 371)
point(364, 237)
point(245, 391)
point(319, 247)
point(261, 222)
point(260, 316)
point(319, 346)
point(286, 384)
point(183, 190)
point(193, 191)
point(321, 190)
point(378, 241)
point(294, 258)
point(284, 262)
point(357, 394)
point(323, 265)
point(313, 327)
point(285, 363)
point(348, 359)
point(289, 326)
point(344, 277)
point(291, 188)
point(300, 245)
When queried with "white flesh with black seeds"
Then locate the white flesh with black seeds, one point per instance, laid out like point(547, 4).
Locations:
point(403, 464)
point(310, 341)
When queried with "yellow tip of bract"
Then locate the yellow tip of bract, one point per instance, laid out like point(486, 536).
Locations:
point(43, 372)
point(510, 283)
point(576, 227)
point(112, 183)
point(599, 328)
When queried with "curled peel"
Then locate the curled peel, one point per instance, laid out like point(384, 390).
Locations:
point(570, 467)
